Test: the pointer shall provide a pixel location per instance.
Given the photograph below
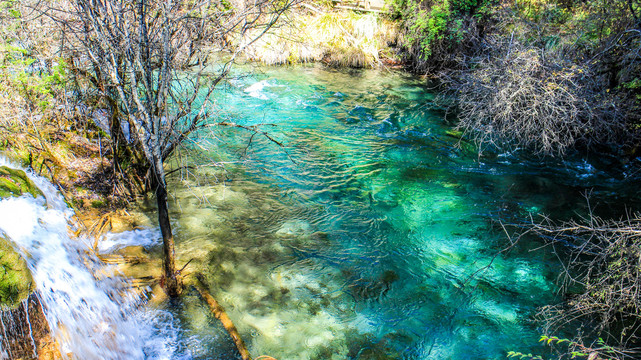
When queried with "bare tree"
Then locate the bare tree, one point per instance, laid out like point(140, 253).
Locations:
point(150, 61)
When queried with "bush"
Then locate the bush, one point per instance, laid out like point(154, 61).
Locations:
point(531, 97)
point(438, 33)
point(602, 282)
point(547, 75)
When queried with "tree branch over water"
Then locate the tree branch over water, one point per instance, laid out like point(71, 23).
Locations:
point(601, 280)
point(150, 62)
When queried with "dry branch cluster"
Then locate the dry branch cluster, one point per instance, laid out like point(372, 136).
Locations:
point(534, 99)
point(149, 61)
point(605, 263)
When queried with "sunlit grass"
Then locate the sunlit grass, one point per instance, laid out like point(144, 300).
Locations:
point(337, 38)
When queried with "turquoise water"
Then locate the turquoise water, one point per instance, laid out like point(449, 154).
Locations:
point(371, 233)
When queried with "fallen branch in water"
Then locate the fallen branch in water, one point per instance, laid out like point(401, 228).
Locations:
point(601, 283)
point(221, 315)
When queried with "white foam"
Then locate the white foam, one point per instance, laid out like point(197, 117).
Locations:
point(91, 318)
point(256, 89)
point(115, 241)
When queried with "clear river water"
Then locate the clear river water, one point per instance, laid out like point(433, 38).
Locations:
point(371, 233)
point(362, 236)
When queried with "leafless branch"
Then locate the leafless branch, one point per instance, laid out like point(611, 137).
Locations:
point(605, 264)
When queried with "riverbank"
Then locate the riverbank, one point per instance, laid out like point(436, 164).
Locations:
point(338, 38)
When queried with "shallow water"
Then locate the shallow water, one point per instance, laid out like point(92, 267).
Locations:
point(370, 233)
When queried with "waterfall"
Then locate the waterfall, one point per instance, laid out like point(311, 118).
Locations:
point(91, 316)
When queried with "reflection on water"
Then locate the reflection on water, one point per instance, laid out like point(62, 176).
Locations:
point(360, 237)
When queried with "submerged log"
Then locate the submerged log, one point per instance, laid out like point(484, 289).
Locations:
point(221, 315)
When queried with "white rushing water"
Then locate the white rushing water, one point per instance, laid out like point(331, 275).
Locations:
point(93, 317)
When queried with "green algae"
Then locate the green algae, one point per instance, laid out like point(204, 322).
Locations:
point(16, 183)
point(16, 283)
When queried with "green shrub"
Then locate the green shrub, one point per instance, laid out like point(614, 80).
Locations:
point(437, 31)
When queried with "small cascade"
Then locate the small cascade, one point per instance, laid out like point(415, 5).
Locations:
point(91, 316)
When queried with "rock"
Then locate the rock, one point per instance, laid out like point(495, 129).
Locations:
point(16, 183)
point(293, 228)
point(16, 283)
point(134, 254)
point(121, 223)
point(26, 333)
point(363, 289)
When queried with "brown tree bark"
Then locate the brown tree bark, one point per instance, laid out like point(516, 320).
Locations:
point(171, 281)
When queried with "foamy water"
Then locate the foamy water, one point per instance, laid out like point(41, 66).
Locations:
point(93, 317)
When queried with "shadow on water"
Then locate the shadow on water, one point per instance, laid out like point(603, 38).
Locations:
point(357, 240)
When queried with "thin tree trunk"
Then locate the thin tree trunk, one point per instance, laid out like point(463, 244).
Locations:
point(171, 279)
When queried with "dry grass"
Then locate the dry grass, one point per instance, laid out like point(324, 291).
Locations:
point(337, 38)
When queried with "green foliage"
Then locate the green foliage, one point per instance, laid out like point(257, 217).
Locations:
point(548, 340)
point(438, 25)
point(23, 71)
point(9, 7)
point(634, 86)
point(430, 26)
point(571, 349)
point(549, 12)
point(519, 355)
point(30, 78)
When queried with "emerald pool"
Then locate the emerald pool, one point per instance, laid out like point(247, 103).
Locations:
point(372, 231)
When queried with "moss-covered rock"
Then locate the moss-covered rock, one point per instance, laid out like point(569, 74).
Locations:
point(16, 183)
point(16, 283)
